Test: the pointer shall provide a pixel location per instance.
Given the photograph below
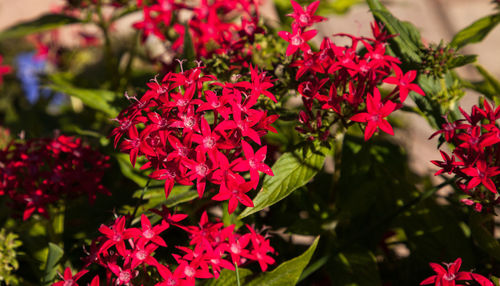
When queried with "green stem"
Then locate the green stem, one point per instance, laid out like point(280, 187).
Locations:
point(108, 50)
point(237, 274)
point(128, 68)
point(142, 197)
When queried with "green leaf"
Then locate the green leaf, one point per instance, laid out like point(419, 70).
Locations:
point(43, 23)
point(407, 43)
point(489, 86)
point(134, 174)
point(461, 60)
point(156, 196)
point(291, 171)
point(495, 280)
point(336, 6)
point(55, 254)
point(288, 273)
point(181, 194)
point(94, 98)
point(228, 277)
point(188, 50)
point(476, 32)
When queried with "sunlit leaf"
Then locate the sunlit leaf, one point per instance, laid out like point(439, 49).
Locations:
point(94, 98)
point(55, 254)
point(288, 273)
point(291, 171)
point(475, 32)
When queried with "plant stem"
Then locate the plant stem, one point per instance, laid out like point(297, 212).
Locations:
point(108, 51)
point(237, 274)
point(142, 196)
point(128, 68)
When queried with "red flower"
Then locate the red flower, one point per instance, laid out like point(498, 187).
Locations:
point(254, 163)
point(75, 170)
point(448, 165)
point(116, 235)
point(188, 129)
point(305, 17)
point(481, 174)
point(403, 81)
point(124, 275)
point(234, 190)
point(149, 25)
point(69, 279)
point(297, 39)
point(376, 111)
point(448, 277)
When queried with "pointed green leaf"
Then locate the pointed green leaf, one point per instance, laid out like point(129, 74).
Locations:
point(188, 52)
point(228, 277)
point(53, 257)
point(475, 32)
point(376, 5)
point(134, 174)
point(291, 171)
point(288, 273)
point(407, 44)
point(94, 98)
point(156, 196)
point(43, 23)
point(461, 60)
point(489, 86)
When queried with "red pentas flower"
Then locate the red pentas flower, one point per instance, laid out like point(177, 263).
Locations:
point(339, 84)
point(127, 254)
point(188, 127)
point(69, 279)
point(304, 16)
point(297, 39)
point(403, 82)
point(450, 275)
point(212, 26)
point(374, 117)
point(474, 157)
point(38, 172)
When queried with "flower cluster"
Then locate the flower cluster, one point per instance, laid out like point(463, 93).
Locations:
point(127, 254)
point(449, 276)
point(475, 155)
point(343, 81)
point(38, 172)
point(211, 26)
point(188, 133)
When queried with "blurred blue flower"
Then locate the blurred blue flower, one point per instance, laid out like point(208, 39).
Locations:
point(29, 68)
